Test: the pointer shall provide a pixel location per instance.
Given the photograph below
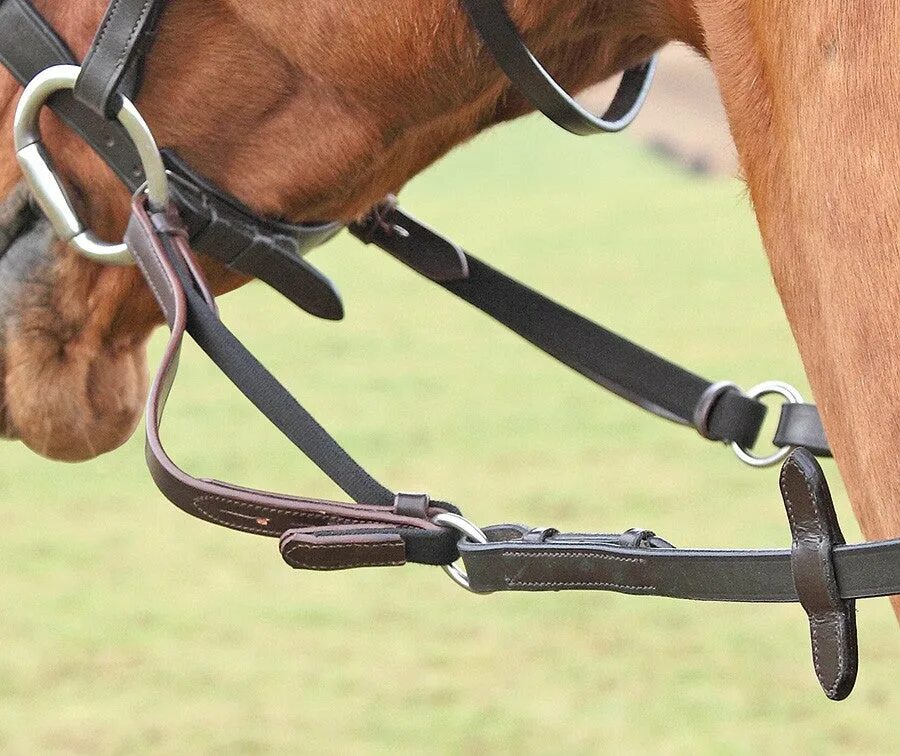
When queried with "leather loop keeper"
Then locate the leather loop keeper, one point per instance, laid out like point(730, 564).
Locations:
point(816, 531)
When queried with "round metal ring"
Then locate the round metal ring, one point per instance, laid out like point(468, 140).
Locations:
point(43, 181)
point(769, 388)
point(467, 529)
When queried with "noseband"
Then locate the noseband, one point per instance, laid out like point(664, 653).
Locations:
point(188, 214)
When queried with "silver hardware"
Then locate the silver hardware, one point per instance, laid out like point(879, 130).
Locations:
point(470, 531)
point(769, 388)
point(45, 185)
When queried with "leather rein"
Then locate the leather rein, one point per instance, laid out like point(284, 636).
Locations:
point(177, 212)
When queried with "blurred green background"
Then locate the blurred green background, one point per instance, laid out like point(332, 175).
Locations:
point(128, 626)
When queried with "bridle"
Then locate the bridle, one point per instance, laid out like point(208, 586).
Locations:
point(176, 211)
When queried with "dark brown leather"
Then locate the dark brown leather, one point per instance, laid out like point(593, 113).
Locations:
point(816, 532)
point(318, 534)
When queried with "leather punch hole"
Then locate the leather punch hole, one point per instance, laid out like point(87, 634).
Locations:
point(815, 531)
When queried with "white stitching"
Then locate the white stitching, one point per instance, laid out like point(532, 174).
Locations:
point(837, 621)
point(573, 555)
point(587, 584)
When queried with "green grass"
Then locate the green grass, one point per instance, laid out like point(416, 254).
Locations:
point(127, 626)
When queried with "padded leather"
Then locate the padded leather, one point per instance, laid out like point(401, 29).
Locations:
point(581, 561)
point(816, 532)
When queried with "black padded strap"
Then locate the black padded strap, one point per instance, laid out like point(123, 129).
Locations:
point(534, 83)
point(220, 226)
point(123, 38)
point(513, 561)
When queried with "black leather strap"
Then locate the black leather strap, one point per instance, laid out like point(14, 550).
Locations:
point(801, 426)
point(816, 533)
point(123, 38)
point(581, 561)
point(600, 355)
point(221, 227)
point(534, 83)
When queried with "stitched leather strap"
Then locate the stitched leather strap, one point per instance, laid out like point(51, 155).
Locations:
point(816, 532)
point(220, 226)
point(123, 38)
point(315, 534)
point(534, 83)
point(579, 561)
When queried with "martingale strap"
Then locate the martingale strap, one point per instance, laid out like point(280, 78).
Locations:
point(221, 227)
point(517, 558)
point(315, 534)
point(607, 359)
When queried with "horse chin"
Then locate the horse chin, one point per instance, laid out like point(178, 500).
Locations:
point(69, 390)
point(72, 405)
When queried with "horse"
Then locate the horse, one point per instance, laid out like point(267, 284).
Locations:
point(309, 110)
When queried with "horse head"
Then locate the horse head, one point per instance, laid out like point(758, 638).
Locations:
point(303, 111)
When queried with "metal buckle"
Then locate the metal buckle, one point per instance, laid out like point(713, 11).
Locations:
point(769, 388)
point(46, 186)
point(467, 529)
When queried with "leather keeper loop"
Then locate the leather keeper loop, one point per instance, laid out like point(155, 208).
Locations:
point(412, 505)
point(815, 531)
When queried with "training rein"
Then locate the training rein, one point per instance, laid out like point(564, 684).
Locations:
point(176, 211)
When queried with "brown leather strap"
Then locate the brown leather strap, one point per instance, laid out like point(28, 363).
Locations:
point(816, 532)
point(318, 534)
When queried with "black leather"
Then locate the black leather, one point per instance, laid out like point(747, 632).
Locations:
point(534, 83)
point(581, 561)
point(801, 425)
point(628, 370)
point(269, 250)
point(123, 38)
point(816, 532)
point(221, 227)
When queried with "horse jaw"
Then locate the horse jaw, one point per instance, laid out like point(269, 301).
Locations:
point(812, 92)
point(74, 381)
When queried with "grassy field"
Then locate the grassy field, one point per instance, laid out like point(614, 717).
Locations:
point(129, 627)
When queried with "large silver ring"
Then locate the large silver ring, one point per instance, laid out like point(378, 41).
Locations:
point(769, 388)
point(44, 183)
point(467, 529)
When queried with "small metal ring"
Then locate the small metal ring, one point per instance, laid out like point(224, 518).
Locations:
point(467, 529)
point(769, 388)
point(45, 184)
